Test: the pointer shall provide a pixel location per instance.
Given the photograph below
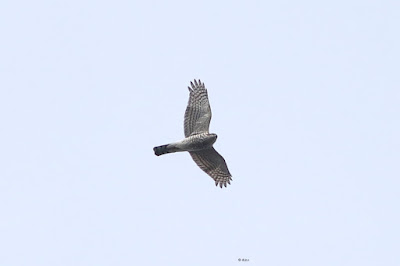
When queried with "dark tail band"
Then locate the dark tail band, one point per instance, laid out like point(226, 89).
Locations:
point(160, 150)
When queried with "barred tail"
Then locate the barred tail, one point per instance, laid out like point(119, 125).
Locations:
point(160, 150)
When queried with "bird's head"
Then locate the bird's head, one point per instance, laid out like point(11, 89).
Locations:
point(213, 136)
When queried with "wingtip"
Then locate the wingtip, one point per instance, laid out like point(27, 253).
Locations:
point(223, 184)
point(196, 84)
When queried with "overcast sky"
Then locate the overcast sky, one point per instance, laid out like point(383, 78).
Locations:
point(305, 98)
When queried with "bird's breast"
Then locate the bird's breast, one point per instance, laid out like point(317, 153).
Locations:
point(200, 141)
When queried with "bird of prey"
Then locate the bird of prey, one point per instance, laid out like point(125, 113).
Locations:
point(198, 141)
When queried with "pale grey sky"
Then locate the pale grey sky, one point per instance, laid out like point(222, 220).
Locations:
point(306, 103)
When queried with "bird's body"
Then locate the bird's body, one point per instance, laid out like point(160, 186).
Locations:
point(192, 143)
point(198, 141)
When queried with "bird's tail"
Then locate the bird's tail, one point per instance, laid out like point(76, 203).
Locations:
point(163, 149)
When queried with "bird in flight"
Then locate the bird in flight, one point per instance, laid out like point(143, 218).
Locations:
point(198, 141)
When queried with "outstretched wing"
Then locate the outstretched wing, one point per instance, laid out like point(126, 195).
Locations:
point(198, 111)
point(211, 162)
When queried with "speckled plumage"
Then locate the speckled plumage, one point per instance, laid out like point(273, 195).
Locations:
point(198, 141)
